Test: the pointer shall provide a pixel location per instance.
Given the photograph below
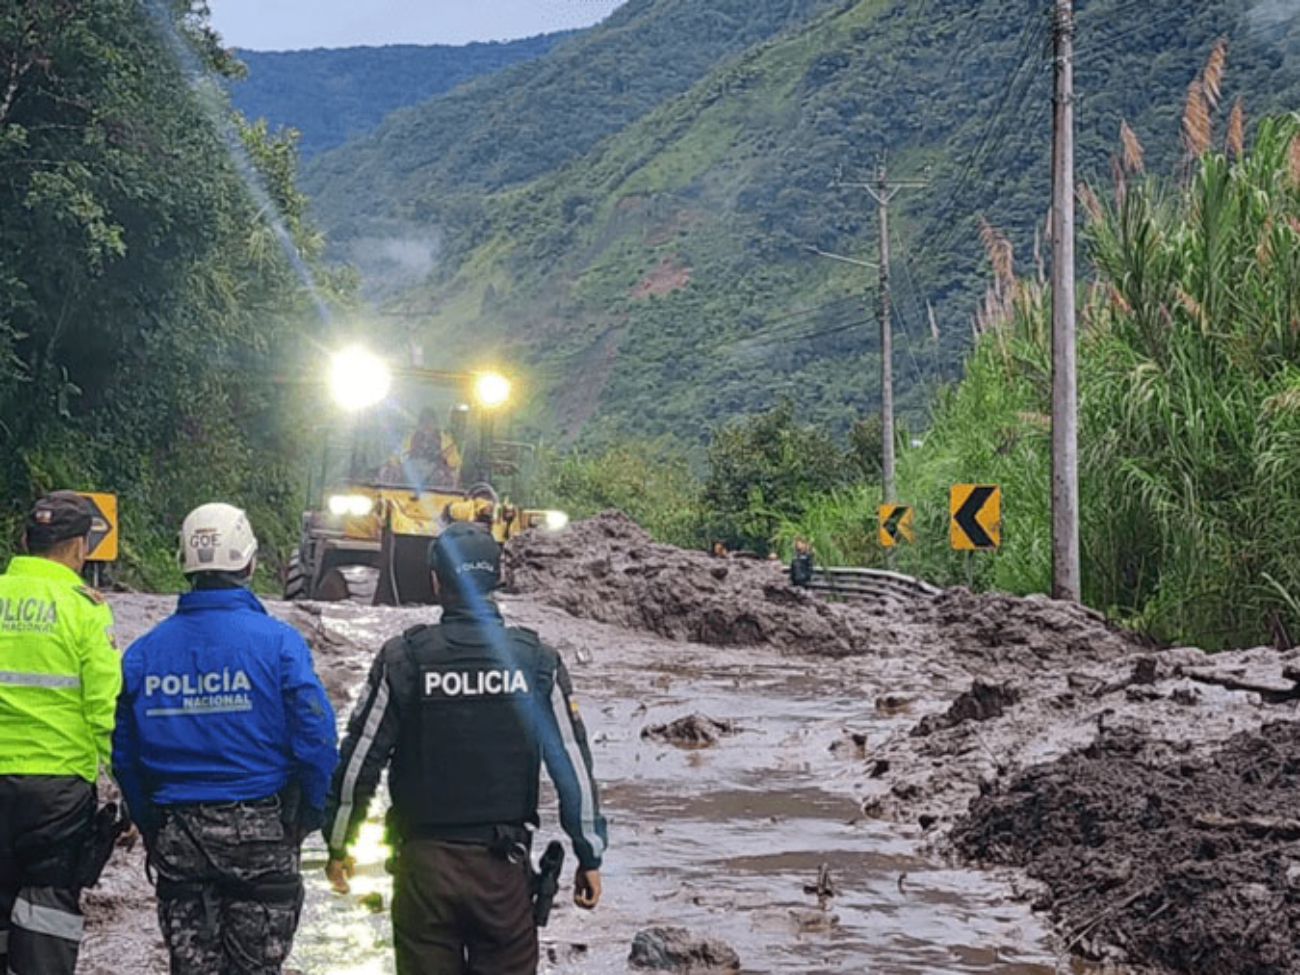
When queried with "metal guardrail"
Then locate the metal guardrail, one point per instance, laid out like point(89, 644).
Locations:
point(870, 584)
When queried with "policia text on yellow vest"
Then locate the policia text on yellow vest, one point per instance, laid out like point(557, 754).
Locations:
point(60, 674)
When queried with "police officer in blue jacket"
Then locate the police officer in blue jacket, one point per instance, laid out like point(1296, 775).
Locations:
point(224, 746)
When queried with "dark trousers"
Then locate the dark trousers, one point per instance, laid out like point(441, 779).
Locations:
point(45, 820)
point(461, 910)
point(229, 888)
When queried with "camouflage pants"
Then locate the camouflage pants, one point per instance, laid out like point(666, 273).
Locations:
point(229, 888)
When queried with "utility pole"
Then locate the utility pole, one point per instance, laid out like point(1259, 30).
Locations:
point(883, 195)
point(883, 192)
point(1065, 393)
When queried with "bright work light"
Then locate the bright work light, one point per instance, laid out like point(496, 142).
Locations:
point(358, 378)
point(357, 505)
point(491, 389)
point(556, 521)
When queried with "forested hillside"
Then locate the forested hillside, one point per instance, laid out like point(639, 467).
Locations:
point(332, 95)
point(152, 332)
point(431, 164)
point(663, 281)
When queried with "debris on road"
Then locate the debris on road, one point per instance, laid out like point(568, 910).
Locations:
point(1191, 865)
point(1170, 823)
point(983, 702)
point(677, 950)
point(608, 569)
point(824, 889)
point(692, 731)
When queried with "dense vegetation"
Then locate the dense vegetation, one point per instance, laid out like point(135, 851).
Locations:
point(661, 283)
point(151, 328)
point(332, 95)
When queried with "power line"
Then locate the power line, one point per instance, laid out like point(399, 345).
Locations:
point(1019, 83)
point(806, 336)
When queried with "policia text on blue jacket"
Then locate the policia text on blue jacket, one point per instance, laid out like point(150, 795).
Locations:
point(222, 740)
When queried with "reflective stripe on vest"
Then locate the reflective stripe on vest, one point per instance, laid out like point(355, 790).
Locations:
point(47, 920)
point(19, 679)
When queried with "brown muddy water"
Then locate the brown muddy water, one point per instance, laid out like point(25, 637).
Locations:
point(721, 840)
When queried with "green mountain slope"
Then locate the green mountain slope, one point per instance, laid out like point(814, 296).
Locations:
point(663, 281)
point(331, 96)
point(430, 164)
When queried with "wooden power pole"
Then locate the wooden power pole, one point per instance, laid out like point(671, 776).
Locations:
point(1065, 394)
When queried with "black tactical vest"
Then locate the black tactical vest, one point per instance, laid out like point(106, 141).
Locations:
point(468, 753)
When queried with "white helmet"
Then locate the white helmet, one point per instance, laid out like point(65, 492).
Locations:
point(217, 538)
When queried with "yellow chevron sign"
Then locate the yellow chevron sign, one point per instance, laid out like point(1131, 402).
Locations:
point(103, 529)
point(976, 517)
point(896, 521)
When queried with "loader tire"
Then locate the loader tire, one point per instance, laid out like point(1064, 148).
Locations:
point(295, 578)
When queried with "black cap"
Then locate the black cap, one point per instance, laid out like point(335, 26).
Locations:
point(466, 558)
point(58, 517)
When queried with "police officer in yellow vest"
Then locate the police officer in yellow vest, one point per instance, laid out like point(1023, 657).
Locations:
point(59, 679)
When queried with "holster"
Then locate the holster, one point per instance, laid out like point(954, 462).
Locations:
point(546, 882)
point(299, 819)
point(511, 843)
point(108, 825)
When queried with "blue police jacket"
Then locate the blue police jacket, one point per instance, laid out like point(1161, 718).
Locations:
point(220, 703)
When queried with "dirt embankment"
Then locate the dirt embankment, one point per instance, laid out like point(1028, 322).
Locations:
point(1192, 866)
point(607, 569)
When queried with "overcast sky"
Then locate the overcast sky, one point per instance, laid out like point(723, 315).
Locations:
point(274, 25)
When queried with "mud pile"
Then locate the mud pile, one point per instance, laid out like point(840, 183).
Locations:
point(1190, 866)
point(608, 569)
point(1027, 630)
point(983, 702)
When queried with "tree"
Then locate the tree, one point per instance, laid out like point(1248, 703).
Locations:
point(765, 468)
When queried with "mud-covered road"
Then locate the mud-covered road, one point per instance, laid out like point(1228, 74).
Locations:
point(857, 739)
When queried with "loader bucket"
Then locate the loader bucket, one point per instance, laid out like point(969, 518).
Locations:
point(404, 570)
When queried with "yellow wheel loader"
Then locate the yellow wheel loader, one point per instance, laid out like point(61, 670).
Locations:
point(392, 479)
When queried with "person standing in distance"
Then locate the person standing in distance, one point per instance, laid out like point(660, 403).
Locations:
point(224, 746)
point(466, 712)
point(59, 678)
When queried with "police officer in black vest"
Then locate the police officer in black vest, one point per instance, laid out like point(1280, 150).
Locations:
point(465, 713)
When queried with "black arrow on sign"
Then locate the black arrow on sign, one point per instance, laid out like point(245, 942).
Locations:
point(891, 523)
point(966, 518)
point(99, 526)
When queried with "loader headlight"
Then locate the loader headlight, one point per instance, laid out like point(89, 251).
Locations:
point(491, 389)
point(358, 378)
point(556, 521)
point(356, 505)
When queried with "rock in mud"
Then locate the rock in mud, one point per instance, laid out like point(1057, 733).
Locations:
point(609, 570)
point(852, 744)
point(1187, 866)
point(677, 950)
point(692, 731)
point(983, 702)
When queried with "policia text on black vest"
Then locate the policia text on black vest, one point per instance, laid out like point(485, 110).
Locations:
point(466, 713)
point(474, 710)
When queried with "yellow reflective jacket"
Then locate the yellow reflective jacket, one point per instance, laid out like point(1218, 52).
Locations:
point(60, 672)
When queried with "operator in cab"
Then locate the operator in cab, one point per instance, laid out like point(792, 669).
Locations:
point(464, 713)
point(433, 453)
point(224, 746)
point(59, 677)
